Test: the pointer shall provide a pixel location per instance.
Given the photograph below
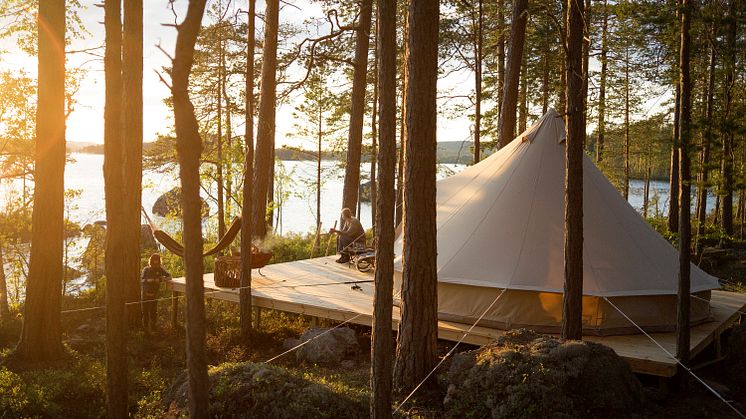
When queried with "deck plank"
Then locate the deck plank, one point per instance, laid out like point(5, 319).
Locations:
point(315, 287)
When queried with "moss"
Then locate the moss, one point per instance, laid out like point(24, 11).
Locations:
point(258, 390)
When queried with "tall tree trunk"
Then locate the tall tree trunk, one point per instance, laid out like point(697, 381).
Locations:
point(41, 337)
point(357, 108)
point(228, 194)
point(727, 162)
point(626, 123)
point(266, 125)
point(319, 138)
point(506, 122)
point(219, 144)
point(116, 233)
point(189, 148)
point(248, 186)
point(500, 56)
point(132, 73)
point(602, 87)
point(374, 139)
point(403, 122)
point(523, 97)
point(646, 194)
point(478, 41)
point(4, 307)
point(673, 206)
point(587, 22)
point(572, 322)
point(704, 159)
point(381, 350)
point(684, 299)
point(418, 330)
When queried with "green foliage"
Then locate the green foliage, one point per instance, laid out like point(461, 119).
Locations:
point(77, 390)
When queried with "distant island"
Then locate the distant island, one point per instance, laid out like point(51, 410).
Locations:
point(449, 152)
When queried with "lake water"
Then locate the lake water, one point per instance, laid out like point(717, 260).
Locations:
point(297, 213)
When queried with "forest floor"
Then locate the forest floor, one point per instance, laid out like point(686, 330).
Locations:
point(75, 386)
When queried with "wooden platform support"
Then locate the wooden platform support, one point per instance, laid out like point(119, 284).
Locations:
point(327, 290)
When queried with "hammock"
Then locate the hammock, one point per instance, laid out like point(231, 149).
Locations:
point(178, 249)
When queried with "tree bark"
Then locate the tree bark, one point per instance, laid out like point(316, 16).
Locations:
point(478, 41)
point(500, 56)
point(684, 299)
point(374, 138)
point(4, 307)
point(587, 21)
point(381, 351)
point(132, 73)
point(602, 87)
point(357, 108)
point(727, 159)
point(219, 139)
point(704, 159)
point(416, 348)
point(116, 234)
point(403, 122)
point(41, 337)
point(189, 148)
point(248, 186)
point(572, 322)
point(626, 123)
point(506, 122)
point(263, 160)
point(673, 206)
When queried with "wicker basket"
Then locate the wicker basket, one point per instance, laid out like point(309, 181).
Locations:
point(228, 268)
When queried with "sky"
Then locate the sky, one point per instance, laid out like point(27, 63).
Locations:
point(85, 123)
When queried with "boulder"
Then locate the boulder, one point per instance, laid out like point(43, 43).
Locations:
point(328, 349)
point(170, 204)
point(248, 390)
point(525, 374)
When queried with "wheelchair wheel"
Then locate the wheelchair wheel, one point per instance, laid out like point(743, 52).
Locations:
point(364, 264)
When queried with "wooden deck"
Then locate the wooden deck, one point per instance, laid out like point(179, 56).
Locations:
point(316, 287)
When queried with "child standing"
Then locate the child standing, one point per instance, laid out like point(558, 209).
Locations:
point(150, 283)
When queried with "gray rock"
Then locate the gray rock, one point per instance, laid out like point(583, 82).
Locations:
point(170, 204)
point(327, 346)
point(290, 343)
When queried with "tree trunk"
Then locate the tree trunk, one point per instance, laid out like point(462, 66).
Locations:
point(417, 345)
point(506, 122)
point(500, 56)
point(4, 307)
point(602, 87)
point(374, 139)
point(41, 337)
point(219, 157)
point(727, 162)
point(116, 233)
point(586, 56)
point(673, 206)
point(704, 159)
point(545, 80)
point(523, 97)
point(646, 194)
point(266, 124)
point(684, 299)
point(189, 148)
point(403, 122)
point(357, 109)
point(626, 123)
point(248, 186)
point(132, 72)
point(478, 40)
point(381, 350)
point(572, 322)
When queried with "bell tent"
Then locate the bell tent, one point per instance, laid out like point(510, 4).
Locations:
point(500, 227)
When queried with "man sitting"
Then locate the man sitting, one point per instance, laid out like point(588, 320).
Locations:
point(352, 232)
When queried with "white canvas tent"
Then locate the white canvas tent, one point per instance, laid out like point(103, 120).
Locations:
point(500, 227)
